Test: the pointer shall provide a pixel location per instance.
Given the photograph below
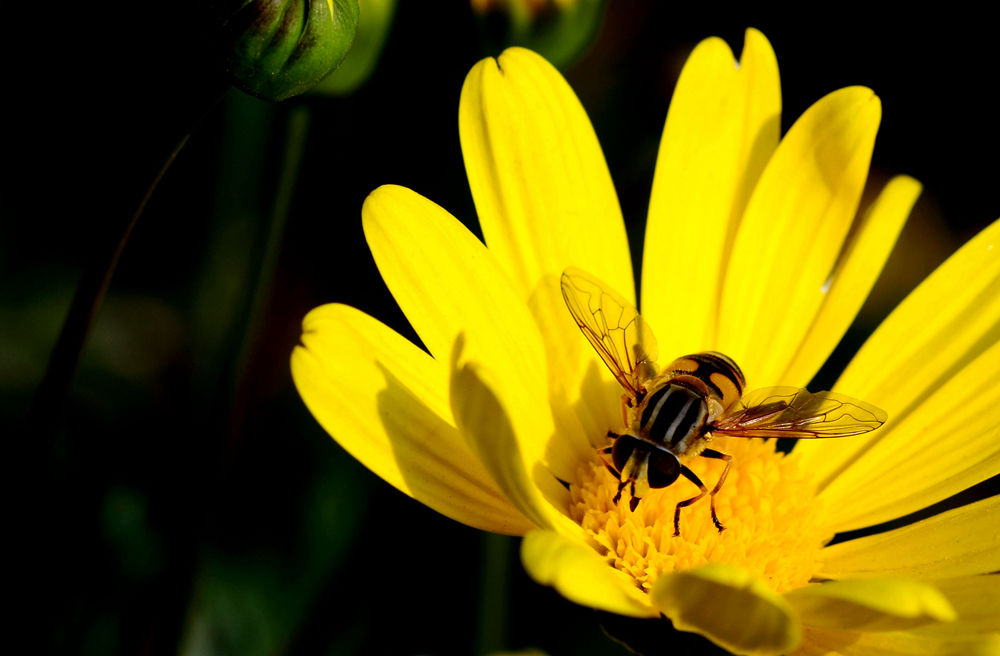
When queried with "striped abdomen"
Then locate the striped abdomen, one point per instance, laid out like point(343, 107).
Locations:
point(719, 375)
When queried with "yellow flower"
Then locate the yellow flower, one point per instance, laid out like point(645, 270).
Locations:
point(749, 251)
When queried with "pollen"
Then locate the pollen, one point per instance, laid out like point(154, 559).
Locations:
point(768, 506)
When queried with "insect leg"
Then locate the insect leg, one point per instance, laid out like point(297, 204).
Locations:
point(611, 468)
point(618, 494)
point(718, 455)
point(633, 503)
point(606, 451)
point(691, 476)
point(626, 404)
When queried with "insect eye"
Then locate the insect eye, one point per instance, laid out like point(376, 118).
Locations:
point(664, 468)
point(622, 451)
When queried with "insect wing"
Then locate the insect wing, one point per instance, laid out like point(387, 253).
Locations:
point(795, 412)
point(613, 327)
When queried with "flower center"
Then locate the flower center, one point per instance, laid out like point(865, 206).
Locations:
point(767, 504)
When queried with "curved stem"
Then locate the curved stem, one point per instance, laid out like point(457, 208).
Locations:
point(50, 397)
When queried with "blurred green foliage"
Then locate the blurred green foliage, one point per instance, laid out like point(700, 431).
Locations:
point(560, 30)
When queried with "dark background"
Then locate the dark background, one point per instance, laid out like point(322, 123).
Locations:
point(188, 501)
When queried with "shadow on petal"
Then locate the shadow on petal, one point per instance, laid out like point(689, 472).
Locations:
point(426, 471)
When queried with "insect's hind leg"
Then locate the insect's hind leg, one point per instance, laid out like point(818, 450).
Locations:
point(718, 455)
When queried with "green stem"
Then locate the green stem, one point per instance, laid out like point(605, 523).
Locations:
point(297, 129)
point(242, 328)
point(494, 590)
point(50, 398)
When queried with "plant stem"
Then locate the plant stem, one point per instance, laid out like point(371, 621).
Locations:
point(50, 398)
point(297, 122)
point(494, 583)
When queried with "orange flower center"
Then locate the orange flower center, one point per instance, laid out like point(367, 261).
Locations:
point(768, 506)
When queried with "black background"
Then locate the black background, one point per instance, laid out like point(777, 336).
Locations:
point(189, 500)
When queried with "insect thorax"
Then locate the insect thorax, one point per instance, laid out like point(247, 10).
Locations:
point(674, 414)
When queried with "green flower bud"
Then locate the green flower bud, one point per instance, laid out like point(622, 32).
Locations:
point(373, 29)
point(282, 48)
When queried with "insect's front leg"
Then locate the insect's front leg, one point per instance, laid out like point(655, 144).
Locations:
point(605, 454)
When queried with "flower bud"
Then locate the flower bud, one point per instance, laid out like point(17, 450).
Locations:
point(282, 48)
point(357, 67)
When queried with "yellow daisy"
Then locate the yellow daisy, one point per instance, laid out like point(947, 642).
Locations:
point(749, 251)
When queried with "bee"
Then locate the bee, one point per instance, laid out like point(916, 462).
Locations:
point(671, 415)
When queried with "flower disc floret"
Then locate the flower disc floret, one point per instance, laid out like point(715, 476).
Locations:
point(768, 506)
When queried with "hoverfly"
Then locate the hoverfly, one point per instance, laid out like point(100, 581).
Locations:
point(672, 414)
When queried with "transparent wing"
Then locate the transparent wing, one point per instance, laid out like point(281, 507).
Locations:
point(613, 327)
point(795, 412)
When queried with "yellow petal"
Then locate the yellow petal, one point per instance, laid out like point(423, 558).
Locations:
point(870, 605)
point(722, 127)
point(727, 606)
point(546, 201)
point(482, 413)
point(578, 573)
point(447, 284)
point(854, 275)
point(542, 189)
point(792, 232)
point(943, 325)
point(824, 642)
point(384, 400)
point(976, 599)
point(947, 444)
point(960, 542)
point(583, 394)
